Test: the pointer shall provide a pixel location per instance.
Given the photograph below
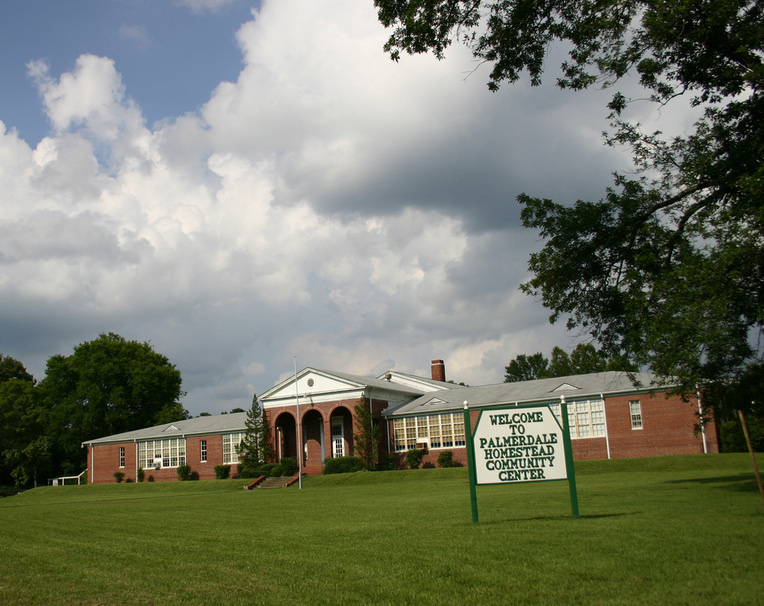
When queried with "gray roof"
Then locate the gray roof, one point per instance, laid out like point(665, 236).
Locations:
point(371, 382)
point(574, 387)
point(235, 421)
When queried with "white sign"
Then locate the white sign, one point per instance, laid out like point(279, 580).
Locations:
point(519, 445)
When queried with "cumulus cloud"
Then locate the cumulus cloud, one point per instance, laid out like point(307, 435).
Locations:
point(328, 204)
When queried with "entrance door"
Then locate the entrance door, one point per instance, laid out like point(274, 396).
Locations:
point(338, 437)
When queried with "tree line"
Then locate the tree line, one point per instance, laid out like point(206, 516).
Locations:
point(106, 386)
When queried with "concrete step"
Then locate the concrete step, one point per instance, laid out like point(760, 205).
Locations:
point(276, 483)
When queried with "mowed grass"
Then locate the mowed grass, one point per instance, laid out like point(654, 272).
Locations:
point(677, 530)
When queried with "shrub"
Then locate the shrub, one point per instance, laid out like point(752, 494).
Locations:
point(245, 471)
point(287, 467)
point(184, 472)
point(446, 459)
point(414, 457)
point(119, 476)
point(343, 465)
point(388, 462)
point(141, 474)
point(733, 438)
point(222, 471)
point(266, 469)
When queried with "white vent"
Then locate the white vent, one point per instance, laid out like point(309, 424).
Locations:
point(566, 387)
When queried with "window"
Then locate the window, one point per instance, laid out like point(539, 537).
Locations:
point(168, 453)
point(586, 418)
point(203, 457)
point(635, 410)
point(231, 443)
point(439, 431)
point(121, 456)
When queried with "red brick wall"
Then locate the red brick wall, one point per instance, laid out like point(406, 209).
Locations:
point(668, 427)
point(312, 465)
point(107, 462)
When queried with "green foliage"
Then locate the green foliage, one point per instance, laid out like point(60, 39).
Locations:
point(668, 267)
point(108, 385)
point(184, 472)
point(414, 457)
point(119, 476)
point(732, 437)
point(585, 358)
point(141, 474)
point(27, 445)
point(446, 459)
point(286, 467)
point(388, 462)
point(367, 435)
point(222, 471)
point(266, 469)
point(11, 368)
point(255, 449)
point(343, 465)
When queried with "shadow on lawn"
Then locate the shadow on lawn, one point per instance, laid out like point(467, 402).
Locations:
point(742, 482)
point(593, 516)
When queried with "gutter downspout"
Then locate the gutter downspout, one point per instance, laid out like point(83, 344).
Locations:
point(607, 431)
point(702, 424)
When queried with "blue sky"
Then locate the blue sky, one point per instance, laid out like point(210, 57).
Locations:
point(240, 188)
point(170, 56)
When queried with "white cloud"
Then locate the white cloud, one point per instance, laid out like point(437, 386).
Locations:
point(328, 204)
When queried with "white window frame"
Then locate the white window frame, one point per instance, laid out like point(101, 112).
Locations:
point(171, 452)
point(203, 451)
point(437, 432)
point(231, 443)
point(121, 456)
point(635, 413)
point(586, 418)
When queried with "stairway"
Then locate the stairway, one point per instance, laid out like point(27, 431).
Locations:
point(276, 483)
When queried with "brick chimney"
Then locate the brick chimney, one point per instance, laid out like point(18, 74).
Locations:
point(438, 370)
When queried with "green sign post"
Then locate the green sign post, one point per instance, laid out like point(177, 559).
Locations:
point(519, 444)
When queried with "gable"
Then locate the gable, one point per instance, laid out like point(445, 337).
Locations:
point(566, 387)
point(310, 382)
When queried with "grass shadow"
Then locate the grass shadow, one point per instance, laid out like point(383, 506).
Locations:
point(741, 482)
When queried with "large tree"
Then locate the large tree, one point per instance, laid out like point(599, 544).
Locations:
point(25, 445)
point(585, 358)
point(108, 385)
point(10, 368)
point(668, 267)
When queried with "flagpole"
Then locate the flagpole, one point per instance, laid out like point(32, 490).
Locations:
point(299, 432)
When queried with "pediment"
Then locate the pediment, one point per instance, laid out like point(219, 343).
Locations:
point(311, 382)
point(171, 428)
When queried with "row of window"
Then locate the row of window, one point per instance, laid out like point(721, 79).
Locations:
point(434, 431)
point(172, 452)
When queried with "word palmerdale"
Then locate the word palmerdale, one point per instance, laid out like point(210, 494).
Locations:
point(519, 456)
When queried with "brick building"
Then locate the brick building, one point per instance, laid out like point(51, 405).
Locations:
point(611, 415)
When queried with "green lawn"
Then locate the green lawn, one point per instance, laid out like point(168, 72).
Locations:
point(679, 530)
